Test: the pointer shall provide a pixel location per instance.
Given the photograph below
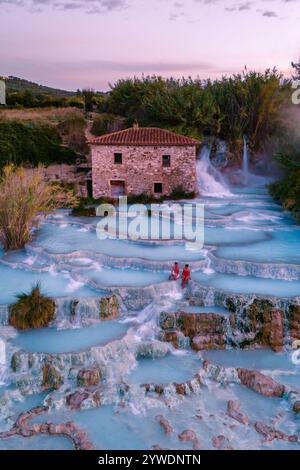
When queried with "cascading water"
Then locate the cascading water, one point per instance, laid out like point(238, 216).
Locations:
point(245, 161)
point(210, 181)
point(3, 368)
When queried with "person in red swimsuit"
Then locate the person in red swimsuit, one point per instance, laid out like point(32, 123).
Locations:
point(175, 273)
point(186, 276)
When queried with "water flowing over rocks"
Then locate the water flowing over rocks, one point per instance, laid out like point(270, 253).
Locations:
point(51, 377)
point(88, 377)
point(294, 320)
point(260, 383)
point(109, 307)
point(205, 331)
point(259, 322)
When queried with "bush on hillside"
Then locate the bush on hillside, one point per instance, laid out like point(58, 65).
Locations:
point(31, 144)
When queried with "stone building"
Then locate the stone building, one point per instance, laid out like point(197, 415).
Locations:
point(142, 160)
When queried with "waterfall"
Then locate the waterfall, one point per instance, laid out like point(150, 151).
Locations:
point(210, 181)
point(3, 368)
point(245, 161)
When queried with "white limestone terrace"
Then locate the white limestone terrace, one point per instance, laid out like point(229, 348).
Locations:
point(250, 252)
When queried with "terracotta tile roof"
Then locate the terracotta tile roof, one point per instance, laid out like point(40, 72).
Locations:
point(142, 136)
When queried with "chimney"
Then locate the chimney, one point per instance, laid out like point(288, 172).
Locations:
point(135, 125)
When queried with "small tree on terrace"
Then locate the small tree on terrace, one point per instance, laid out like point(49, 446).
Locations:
point(24, 196)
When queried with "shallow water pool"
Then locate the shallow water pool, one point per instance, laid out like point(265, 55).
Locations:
point(51, 340)
point(171, 368)
point(248, 284)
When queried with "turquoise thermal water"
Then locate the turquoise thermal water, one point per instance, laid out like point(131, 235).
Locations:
point(51, 340)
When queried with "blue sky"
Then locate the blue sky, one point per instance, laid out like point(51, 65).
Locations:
point(89, 43)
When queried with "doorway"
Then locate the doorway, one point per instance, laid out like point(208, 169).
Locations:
point(117, 188)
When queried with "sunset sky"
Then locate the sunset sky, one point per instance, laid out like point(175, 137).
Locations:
point(88, 43)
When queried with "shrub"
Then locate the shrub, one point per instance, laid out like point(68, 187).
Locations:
point(144, 198)
point(287, 190)
point(72, 131)
point(23, 196)
point(33, 310)
point(105, 123)
point(180, 193)
point(31, 144)
point(84, 211)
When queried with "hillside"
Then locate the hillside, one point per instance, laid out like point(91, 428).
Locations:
point(19, 85)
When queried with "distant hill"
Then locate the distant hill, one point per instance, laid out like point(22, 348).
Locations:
point(15, 84)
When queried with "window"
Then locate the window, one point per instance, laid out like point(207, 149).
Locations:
point(118, 158)
point(166, 161)
point(158, 188)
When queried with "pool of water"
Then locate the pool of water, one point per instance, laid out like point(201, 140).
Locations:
point(73, 237)
point(254, 359)
point(108, 277)
point(171, 368)
point(51, 340)
point(246, 226)
point(248, 284)
point(185, 307)
point(134, 426)
point(282, 247)
point(56, 284)
point(40, 442)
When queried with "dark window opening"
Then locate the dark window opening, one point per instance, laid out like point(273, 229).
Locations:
point(166, 161)
point(118, 158)
point(89, 187)
point(158, 188)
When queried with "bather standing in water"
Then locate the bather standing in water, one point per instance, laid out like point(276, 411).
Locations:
point(175, 273)
point(186, 276)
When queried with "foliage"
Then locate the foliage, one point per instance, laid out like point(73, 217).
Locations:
point(72, 131)
point(104, 123)
point(101, 124)
point(24, 194)
point(15, 84)
point(83, 210)
point(180, 193)
point(287, 190)
point(91, 99)
point(25, 94)
point(249, 103)
point(143, 198)
point(23, 143)
point(33, 310)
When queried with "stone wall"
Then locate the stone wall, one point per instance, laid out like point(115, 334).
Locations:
point(66, 173)
point(142, 167)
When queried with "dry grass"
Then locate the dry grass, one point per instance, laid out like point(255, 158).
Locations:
point(42, 115)
point(23, 196)
point(32, 310)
